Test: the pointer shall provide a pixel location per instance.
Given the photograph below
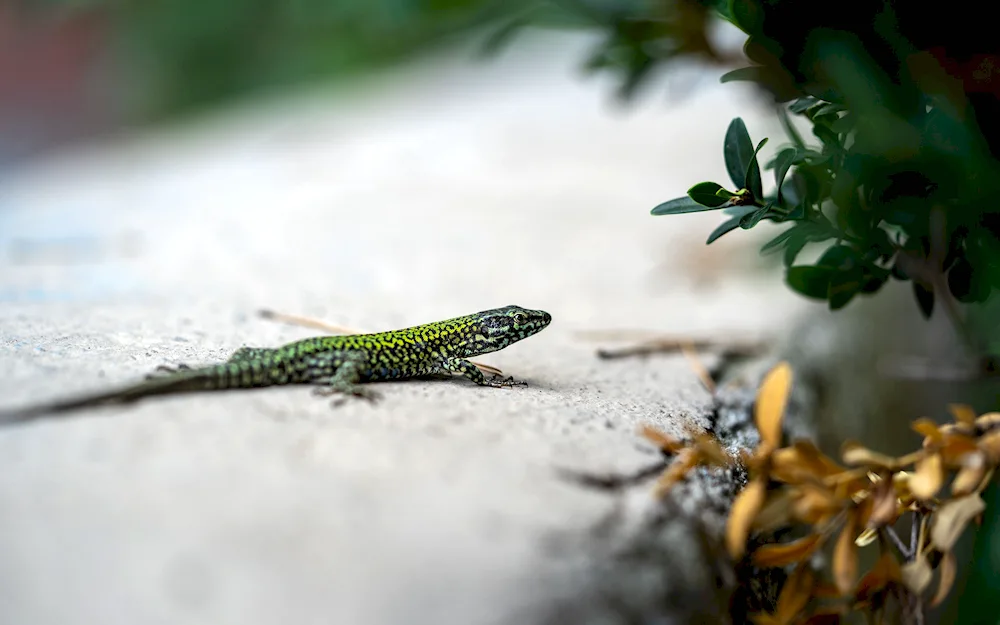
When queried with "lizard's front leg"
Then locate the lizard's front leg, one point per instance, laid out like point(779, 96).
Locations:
point(469, 370)
point(341, 371)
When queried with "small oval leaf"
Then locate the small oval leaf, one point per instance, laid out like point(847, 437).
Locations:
point(826, 109)
point(951, 518)
point(752, 219)
point(928, 477)
point(963, 413)
point(925, 299)
point(792, 250)
point(845, 557)
point(727, 226)
point(752, 180)
point(741, 516)
point(812, 282)
point(781, 166)
point(707, 194)
point(783, 554)
point(839, 257)
point(738, 151)
point(844, 285)
point(753, 73)
point(795, 595)
point(680, 205)
point(917, 574)
point(800, 105)
point(949, 571)
point(771, 401)
point(777, 241)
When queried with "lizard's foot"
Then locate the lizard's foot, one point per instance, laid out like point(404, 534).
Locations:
point(500, 382)
point(355, 390)
point(167, 370)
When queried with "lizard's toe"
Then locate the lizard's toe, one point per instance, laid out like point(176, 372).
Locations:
point(358, 391)
point(167, 370)
point(497, 382)
point(366, 393)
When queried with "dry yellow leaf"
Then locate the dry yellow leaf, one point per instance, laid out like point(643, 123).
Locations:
point(776, 511)
point(685, 460)
point(783, 554)
point(885, 505)
point(988, 420)
point(950, 519)
point(787, 466)
point(916, 574)
point(928, 429)
point(885, 571)
point(963, 413)
point(990, 443)
point(928, 477)
point(866, 537)
point(948, 569)
point(745, 508)
point(771, 401)
point(795, 593)
point(864, 513)
point(792, 466)
point(845, 557)
point(823, 589)
point(820, 462)
point(855, 454)
point(850, 485)
point(800, 462)
point(956, 446)
point(814, 504)
point(969, 476)
point(712, 451)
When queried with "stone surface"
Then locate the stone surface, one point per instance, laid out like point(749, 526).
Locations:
point(437, 190)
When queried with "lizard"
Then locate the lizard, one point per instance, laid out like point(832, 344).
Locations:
point(340, 364)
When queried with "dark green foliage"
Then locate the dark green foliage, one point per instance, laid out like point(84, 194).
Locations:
point(876, 206)
point(899, 175)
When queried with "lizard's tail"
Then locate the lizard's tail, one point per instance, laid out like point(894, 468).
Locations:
point(214, 377)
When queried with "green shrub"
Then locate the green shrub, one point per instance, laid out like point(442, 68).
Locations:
point(900, 177)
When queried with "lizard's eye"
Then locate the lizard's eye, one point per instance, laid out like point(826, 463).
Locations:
point(520, 319)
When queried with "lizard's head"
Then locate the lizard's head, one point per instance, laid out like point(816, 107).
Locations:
point(500, 327)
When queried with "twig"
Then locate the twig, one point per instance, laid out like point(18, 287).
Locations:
point(667, 345)
point(613, 482)
point(699, 368)
point(898, 543)
point(306, 322)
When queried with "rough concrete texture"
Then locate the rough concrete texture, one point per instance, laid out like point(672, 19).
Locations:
point(440, 189)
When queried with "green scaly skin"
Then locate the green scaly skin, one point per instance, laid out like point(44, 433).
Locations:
point(341, 364)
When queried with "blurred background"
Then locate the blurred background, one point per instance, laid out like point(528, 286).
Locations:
point(85, 69)
point(79, 73)
point(76, 70)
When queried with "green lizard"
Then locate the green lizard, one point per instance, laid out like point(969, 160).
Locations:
point(340, 363)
